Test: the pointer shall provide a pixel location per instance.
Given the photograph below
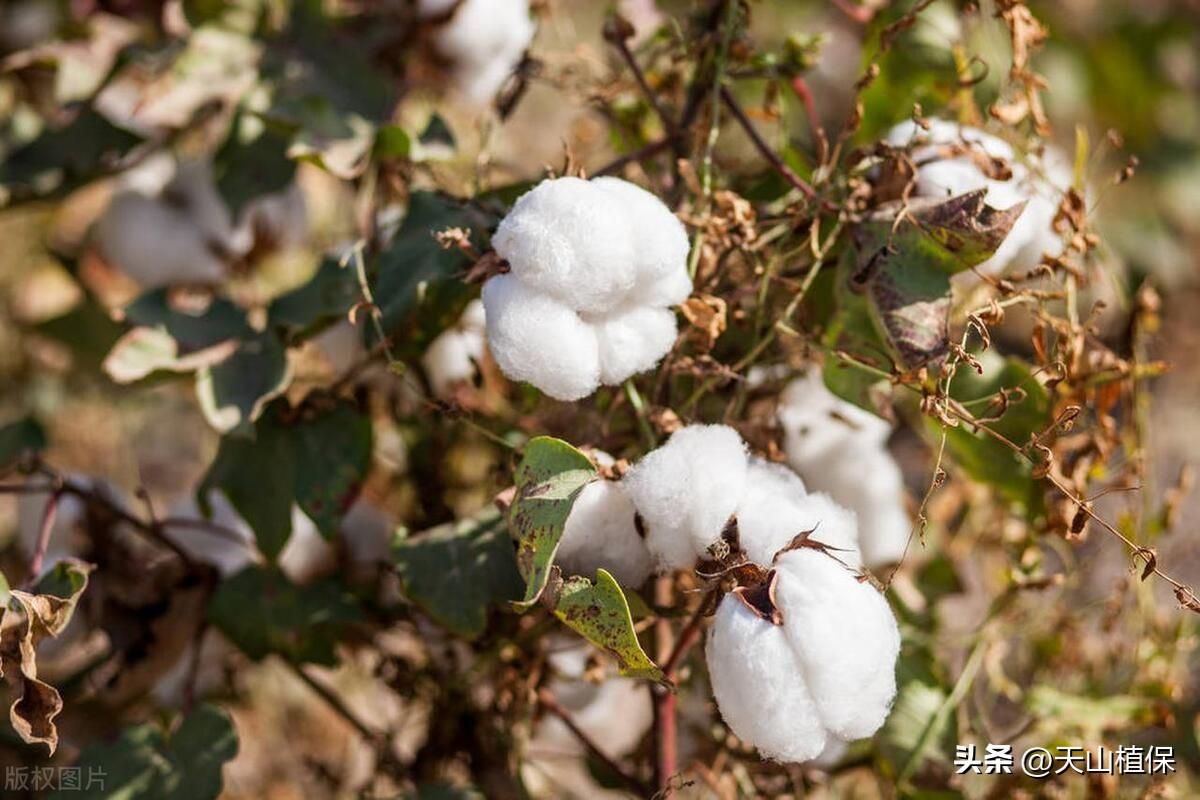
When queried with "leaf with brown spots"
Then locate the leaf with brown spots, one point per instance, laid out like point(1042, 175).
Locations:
point(549, 478)
point(599, 612)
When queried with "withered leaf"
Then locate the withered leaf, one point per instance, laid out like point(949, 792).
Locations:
point(760, 598)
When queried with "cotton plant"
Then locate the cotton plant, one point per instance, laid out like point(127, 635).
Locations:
point(953, 159)
point(594, 267)
point(841, 449)
point(802, 656)
point(484, 41)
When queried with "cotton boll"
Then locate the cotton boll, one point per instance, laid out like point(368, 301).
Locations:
point(537, 339)
point(662, 243)
point(70, 519)
point(686, 491)
point(280, 218)
point(307, 555)
point(567, 238)
point(758, 686)
point(341, 344)
point(600, 532)
point(451, 358)
point(814, 419)
point(615, 714)
point(154, 244)
point(367, 532)
point(229, 552)
point(845, 639)
point(194, 192)
point(633, 341)
point(485, 40)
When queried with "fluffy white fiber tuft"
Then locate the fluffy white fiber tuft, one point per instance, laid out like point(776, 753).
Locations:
point(687, 490)
point(594, 267)
point(600, 532)
point(452, 357)
point(485, 40)
point(840, 449)
point(1039, 180)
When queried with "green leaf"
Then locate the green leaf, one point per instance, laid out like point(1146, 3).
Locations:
point(258, 475)
point(418, 287)
point(550, 476)
point(459, 570)
point(905, 731)
point(392, 142)
point(234, 391)
point(64, 158)
point(1083, 718)
point(984, 458)
point(144, 352)
point(253, 161)
point(329, 295)
point(264, 614)
point(87, 330)
point(143, 764)
point(333, 454)
point(209, 323)
point(599, 613)
point(20, 437)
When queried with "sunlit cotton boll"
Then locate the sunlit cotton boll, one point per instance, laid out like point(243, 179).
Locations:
point(827, 673)
point(946, 168)
point(839, 448)
point(453, 356)
point(687, 490)
point(600, 533)
point(182, 235)
point(594, 266)
point(484, 40)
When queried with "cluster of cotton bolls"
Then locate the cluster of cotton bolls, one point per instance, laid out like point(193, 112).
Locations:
point(168, 225)
point(594, 267)
point(484, 40)
point(950, 160)
point(817, 671)
point(840, 449)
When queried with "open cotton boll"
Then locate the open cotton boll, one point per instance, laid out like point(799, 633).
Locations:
point(758, 686)
point(1040, 182)
point(452, 357)
point(568, 238)
point(600, 532)
point(279, 218)
point(769, 520)
point(845, 638)
point(608, 252)
point(686, 491)
point(307, 555)
point(229, 553)
point(633, 341)
point(537, 339)
point(485, 40)
point(839, 448)
point(70, 519)
point(154, 244)
point(615, 714)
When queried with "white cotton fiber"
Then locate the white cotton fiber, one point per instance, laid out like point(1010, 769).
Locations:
point(768, 522)
point(600, 532)
point(608, 252)
point(840, 449)
point(633, 341)
point(759, 687)
point(845, 639)
point(1039, 181)
point(614, 714)
point(452, 357)
point(570, 240)
point(230, 552)
point(537, 339)
point(279, 218)
point(485, 41)
point(687, 490)
point(70, 519)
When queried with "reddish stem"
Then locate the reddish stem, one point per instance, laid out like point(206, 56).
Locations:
point(43, 540)
point(802, 90)
point(666, 762)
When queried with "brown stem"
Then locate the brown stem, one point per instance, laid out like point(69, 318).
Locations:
point(43, 540)
point(763, 148)
point(616, 36)
point(667, 740)
point(548, 701)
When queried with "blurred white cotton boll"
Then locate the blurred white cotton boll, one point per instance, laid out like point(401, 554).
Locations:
point(484, 39)
point(839, 448)
point(1038, 181)
point(307, 554)
point(536, 338)
point(367, 532)
point(452, 357)
point(341, 344)
point(609, 253)
point(230, 549)
point(279, 218)
point(600, 532)
point(70, 519)
point(687, 490)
